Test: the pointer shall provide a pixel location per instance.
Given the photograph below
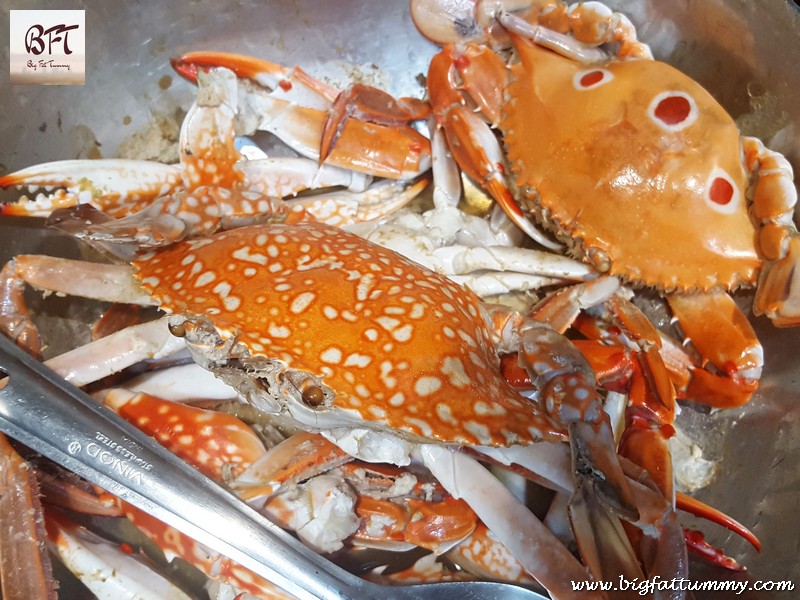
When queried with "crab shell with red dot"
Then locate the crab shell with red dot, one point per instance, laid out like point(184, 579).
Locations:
point(401, 347)
point(635, 165)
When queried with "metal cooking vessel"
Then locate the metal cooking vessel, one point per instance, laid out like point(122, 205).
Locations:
point(746, 53)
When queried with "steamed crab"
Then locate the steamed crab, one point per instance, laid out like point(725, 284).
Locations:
point(629, 163)
point(347, 364)
point(387, 360)
point(309, 398)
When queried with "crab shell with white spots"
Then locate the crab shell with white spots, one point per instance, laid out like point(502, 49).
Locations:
point(343, 333)
point(635, 166)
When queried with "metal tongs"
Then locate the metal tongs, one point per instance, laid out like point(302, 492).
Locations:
point(53, 417)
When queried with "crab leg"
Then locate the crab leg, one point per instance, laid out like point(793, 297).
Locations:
point(102, 566)
point(561, 308)
point(466, 250)
point(530, 542)
point(428, 516)
point(345, 208)
point(301, 455)
point(185, 214)
point(281, 177)
point(471, 142)
point(217, 444)
point(121, 187)
point(182, 383)
point(460, 260)
point(113, 283)
point(483, 555)
point(687, 503)
point(774, 200)
point(15, 320)
point(590, 23)
point(548, 461)
point(651, 408)
point(115, 352)
point(106, 282)
point(648, 421)
point(379, 150)
point(602, 494)
point(24, 564)
point(444, 168)
point(206, 142)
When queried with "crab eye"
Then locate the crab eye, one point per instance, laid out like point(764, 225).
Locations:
point(721, 192)
point(313, 396)
point(591, 78)
point(672, 110)
point(177, 329)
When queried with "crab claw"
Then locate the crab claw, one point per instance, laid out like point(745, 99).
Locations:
point(116, 186)
point(697, 544)
point(292, 105)
point(291, 84)
point(471, 141)
point(724, 337)
point(778, 294)
point(699, 509)
point(369, 104)
point(169, 219)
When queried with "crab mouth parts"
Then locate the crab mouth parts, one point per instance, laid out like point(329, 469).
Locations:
point(268, 384)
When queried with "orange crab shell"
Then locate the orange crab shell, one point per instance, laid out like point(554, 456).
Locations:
point(635, 165)
point(399, 345)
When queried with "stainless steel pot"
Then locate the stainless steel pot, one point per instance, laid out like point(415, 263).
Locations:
point(746, 53)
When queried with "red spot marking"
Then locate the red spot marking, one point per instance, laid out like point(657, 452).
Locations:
point(462, 62)
point(285, 85)
point(673, 110)
point(721, 191)
point(126, 548)
point(501, 168)
point(589, 79)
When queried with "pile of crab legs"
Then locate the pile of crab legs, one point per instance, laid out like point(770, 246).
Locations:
point(212, 189)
